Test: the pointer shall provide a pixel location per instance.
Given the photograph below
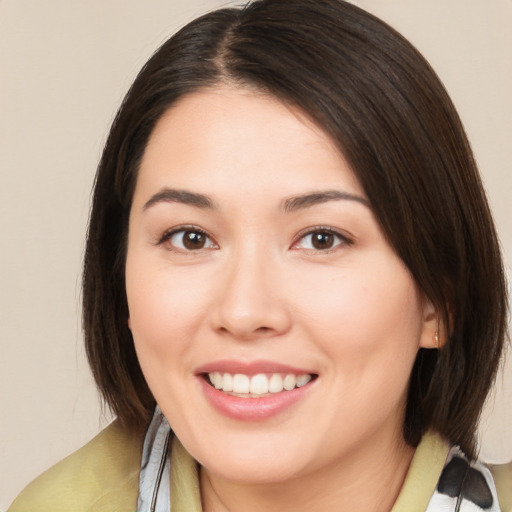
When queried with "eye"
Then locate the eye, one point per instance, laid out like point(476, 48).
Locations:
point(188, 239)
point(321, 239)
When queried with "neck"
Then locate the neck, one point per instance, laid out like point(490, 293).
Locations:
point(369, 480)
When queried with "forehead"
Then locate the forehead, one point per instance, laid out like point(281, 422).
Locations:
point(224, 137)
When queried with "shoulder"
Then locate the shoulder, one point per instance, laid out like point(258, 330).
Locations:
point(102, 475)
point(502, 474)
point(441, 477)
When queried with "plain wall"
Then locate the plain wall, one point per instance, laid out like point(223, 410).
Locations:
point(64, 67)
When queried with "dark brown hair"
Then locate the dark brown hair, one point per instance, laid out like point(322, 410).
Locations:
point(389, 114)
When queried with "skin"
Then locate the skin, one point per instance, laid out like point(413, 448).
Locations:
point(258, 289)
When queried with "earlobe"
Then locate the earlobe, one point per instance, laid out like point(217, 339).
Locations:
point(437, 343)
point(431, 335)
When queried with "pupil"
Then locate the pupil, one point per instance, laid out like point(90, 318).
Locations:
point(194, 240)
point(323, 240)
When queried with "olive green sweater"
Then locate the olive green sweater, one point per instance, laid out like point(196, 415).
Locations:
point(103, 476)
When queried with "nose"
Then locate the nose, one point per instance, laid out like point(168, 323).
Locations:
point(251, 303)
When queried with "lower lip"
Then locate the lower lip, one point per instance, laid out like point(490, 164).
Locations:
point(252, 409)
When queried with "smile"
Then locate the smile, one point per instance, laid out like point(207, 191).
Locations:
point(256, 386)
point(255, 390)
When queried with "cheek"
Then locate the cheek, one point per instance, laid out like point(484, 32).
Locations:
point(159, 304)
point(367, 321)
point(166, 310)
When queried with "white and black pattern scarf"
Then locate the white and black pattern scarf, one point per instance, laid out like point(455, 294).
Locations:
point(154, 477)
point(464, 486)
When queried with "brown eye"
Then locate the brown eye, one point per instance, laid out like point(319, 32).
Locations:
point(193, 240)
point(321, 240)
point(190, 240)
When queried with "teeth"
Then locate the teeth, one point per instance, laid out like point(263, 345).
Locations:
point(275, 384)
point(302, 380)
point(216, 380)
point(227, 382)
point(289, 382)
point(241, 383)
point(257, 385)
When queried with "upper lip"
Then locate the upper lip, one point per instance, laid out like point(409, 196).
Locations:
point(251, 367)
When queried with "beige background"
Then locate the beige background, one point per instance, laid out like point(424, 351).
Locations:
point(64, 66)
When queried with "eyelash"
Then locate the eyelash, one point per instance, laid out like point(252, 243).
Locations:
point(167, 236)
point(343, 238)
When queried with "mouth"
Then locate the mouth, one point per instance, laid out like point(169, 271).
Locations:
point(255, 390)
point(256, 386)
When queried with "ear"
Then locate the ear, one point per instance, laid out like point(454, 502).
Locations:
point(432, 333)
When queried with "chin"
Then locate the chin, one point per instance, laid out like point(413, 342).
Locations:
point(254, 461)
point(262, 471)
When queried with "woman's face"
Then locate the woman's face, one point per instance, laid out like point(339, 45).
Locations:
point(255, 262)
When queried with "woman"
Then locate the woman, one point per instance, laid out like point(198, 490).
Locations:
point(291, 253)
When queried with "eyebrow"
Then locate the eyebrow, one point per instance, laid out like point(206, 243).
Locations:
point(307, 200)
point(171, 195)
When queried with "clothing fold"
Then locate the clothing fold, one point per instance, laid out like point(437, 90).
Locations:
point(154, 478)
